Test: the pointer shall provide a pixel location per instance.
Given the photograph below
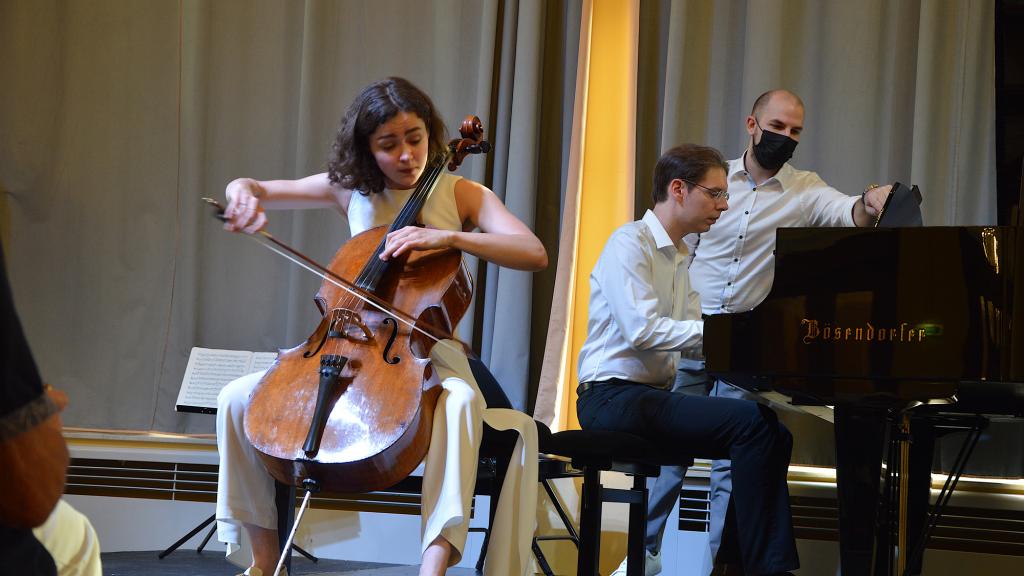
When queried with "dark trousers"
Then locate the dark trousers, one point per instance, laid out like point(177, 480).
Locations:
point(745, 432)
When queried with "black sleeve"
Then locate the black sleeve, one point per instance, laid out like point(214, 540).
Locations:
point(22, 555)
point(19, 378)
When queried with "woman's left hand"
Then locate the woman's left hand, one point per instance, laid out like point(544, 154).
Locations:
point(411, 238)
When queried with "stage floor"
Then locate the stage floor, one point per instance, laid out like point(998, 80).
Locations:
point(188, 563)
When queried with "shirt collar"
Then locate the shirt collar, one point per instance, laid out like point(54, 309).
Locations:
point(661, 237)
point(738, 171)
point(736, 168)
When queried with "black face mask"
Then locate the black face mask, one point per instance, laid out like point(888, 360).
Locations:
point(774, 149)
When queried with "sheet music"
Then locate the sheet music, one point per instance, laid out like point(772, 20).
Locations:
point(262, 360)
point(210, 369)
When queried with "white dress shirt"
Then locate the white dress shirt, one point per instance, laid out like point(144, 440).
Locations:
point(643, 312)
point(733, 264)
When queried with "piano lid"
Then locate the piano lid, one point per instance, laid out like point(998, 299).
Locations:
point(905, 313)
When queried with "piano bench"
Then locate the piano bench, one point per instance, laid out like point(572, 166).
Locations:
point(594, 451)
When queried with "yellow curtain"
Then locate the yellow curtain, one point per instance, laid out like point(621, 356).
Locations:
point(599, 197)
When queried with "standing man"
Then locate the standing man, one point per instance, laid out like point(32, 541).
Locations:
point(732, 267)
point(643, 314)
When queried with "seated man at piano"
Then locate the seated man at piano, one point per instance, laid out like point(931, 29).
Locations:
point(732, 267)
point(643, 316)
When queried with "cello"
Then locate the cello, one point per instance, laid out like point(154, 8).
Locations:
point(351, 408)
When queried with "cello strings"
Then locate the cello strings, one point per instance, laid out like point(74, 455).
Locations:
point(268, 241)
point(373, 270)
point(376, 268)
point(371, 273)
point(423, 189)
point(408, 211)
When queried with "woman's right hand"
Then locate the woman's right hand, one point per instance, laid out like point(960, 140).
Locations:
point(244, 213)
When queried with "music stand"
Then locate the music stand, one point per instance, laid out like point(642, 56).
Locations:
point(213, 517)
point(198, 395)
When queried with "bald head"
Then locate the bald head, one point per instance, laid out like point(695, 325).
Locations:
point(781, 113)
point(782, 96)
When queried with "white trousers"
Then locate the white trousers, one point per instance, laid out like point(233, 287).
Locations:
point(71, 540)
point(245, 491)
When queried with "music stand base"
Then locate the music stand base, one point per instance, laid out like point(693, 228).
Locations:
point(181, 541)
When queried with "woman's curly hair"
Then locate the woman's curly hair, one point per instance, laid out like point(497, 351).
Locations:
point(351, 164)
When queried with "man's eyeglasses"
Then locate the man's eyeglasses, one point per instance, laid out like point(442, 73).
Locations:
point(714, 193)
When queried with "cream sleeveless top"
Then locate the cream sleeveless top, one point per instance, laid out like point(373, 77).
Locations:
point(440, 211)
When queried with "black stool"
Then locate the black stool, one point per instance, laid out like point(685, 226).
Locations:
point(589, 452)
point(594, 451)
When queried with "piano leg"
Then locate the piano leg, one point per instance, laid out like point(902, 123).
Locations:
point(860, 441)
point(867, 531)
point(922, 449)
point(922, 436)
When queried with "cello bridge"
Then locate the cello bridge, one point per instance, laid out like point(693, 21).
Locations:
point(349, 324)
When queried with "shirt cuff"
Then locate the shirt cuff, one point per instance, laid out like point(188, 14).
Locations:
point(849, 210)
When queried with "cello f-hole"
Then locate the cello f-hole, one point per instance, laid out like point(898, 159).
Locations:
point(391, 340)
point(327, 329)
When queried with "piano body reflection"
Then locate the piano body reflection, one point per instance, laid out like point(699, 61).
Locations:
point(903, 331)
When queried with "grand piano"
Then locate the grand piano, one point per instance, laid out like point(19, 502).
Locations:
point(895, 334)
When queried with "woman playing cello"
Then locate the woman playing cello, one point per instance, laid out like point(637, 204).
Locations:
point(386, 138)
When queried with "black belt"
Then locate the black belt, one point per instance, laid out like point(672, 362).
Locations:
point(584, 386)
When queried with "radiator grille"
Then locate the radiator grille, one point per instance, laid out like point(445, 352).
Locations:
point(694, 510)
point(198, 483)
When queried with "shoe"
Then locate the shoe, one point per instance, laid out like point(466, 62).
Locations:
point(652, 565)
point(254, 571)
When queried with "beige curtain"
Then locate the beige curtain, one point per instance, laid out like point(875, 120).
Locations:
point(117, 116)
point(534, 63)
point(894, 90)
